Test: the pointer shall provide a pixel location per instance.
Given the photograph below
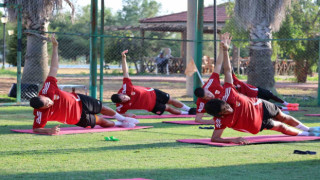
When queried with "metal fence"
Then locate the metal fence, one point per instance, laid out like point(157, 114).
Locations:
point(262, 54)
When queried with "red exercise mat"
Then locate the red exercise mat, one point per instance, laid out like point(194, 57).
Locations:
point(77, 130)
point(157, 116)
point(253, 140)
point(314, 115)
point(189, 122)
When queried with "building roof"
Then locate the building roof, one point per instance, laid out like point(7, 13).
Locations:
point(182, 16)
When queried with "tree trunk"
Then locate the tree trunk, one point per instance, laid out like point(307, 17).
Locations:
point(260, 69)
point(35, 70)
point(236, 58)
point(301, 70)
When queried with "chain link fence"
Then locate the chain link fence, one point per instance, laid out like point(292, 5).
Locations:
point(279, 51)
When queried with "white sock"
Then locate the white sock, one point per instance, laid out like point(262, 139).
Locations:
point(285, 103)
point(303, 133)
point(302, 127)
point(117, 123)
point(184, 112)
point(185, 107)
point(119, 117)
point(284, 108)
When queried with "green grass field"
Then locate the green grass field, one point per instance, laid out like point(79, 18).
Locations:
point(148, 153)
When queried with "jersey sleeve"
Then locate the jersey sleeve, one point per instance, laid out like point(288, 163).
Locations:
point(49, 87)
point(200, 105)
point(121, 108)
point(39, 120)
point(212, 81)
point(218, 124)
point(230, 94)
point(126, 86)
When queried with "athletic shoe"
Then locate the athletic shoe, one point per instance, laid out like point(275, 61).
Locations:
point(192, 111)
point(131, 120)
point(314, 134)
point(293, 108)
point(128, 125)
point(292, 105)
point(314, 129)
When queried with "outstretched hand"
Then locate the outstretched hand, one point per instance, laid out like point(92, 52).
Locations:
point(226, 40)
point(123, 54)
point(54, 40)
point(54, 130)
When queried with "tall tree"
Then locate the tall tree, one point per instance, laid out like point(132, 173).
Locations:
point(261, 18)
point(302, 21)
point(35, 15)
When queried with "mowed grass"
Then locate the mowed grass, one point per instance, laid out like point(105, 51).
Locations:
point(147, 153)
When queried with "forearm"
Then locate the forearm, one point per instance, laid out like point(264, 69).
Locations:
point(43, 130)
point(125, 67)
point(199, 119)
point(226, 64)
point(218, 65)
point(223, 140)
point(54, 62)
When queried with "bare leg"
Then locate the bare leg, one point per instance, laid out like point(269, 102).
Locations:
point(107, 111)
point(172, 110)
point(287, 119)
point(104, 123)
point(175, 103)
point(284, 129)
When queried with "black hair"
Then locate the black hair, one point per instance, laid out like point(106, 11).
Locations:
point(116, 98)
point(199, 92)
point(214, 106)
point(36, 103)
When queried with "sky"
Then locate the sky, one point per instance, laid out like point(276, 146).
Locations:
point(168, 6)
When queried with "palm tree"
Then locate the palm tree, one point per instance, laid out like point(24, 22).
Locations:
point(36, 17)
point(261, 18)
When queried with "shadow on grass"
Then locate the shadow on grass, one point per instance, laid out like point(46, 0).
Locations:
point(105, 149)
point(278, 170)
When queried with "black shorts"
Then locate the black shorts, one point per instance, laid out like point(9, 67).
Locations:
point(90, 107)
point(162, 99)
point(270, 111)
point(264, 94)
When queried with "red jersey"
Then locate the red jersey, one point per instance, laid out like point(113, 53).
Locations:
point(67, 107)
point(140, 97)
point(213, 85)
point(244, 88)
point(247, 112)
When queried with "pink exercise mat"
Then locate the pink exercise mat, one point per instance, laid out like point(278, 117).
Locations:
point(313, 115)
point(77, 130)
point(188, 122)
point(131, 179)
point(157, 116)
point(253, 140)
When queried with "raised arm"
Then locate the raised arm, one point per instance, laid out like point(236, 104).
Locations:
point(218, 65)
point(226, 41)
point(124, 64)
point(55, 58)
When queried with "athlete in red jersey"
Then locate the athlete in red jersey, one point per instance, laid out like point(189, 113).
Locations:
point(210, 90)
point(247, 114)
point(138, 97)
point(52, 104)
point(252, 91)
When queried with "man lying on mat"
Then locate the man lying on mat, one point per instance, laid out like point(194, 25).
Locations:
point(248, 114)
point(138, 97)
point(52, 104)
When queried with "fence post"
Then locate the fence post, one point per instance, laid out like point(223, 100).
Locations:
point(198, 46)
point(19, 52)
point(101, 49)
point(319, 73)
point(93, 48)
